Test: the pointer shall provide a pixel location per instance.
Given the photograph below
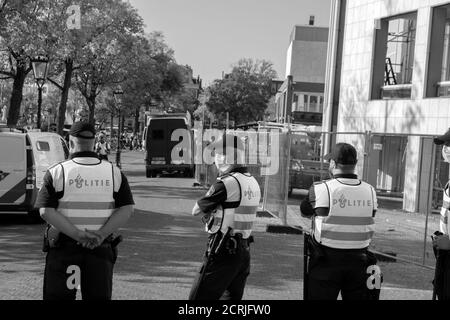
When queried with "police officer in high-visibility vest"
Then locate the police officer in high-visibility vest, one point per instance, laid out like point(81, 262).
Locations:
point(441, 241)
point(230, 208)
point(343, 211)
point(84, 201)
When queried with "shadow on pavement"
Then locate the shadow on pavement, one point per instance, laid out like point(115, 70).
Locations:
point(20, 244)
point(169, 248)
point(141, 173)
point(167, 192)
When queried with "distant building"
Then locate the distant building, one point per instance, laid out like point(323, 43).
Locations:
point(300, 97)
point(191, 84)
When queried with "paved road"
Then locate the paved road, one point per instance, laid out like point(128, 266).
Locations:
point(162, 249)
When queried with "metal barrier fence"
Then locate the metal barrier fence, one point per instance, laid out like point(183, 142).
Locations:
point(406, 170)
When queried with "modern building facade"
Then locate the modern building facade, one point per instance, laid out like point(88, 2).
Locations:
point(300, 98)
point(388, 72)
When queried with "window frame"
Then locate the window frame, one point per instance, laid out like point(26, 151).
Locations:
point(379, 57)
point(434, 85)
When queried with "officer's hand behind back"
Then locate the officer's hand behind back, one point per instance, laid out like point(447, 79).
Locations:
point(89, 239)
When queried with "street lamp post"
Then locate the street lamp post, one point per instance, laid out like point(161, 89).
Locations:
point(40, 70)
point(118, 99)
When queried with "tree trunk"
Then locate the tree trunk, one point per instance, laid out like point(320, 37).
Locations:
point(136, 122)
point(91, 99)
point(112, 125)
point(65, 96)
point(17, 95)
point(91, 104)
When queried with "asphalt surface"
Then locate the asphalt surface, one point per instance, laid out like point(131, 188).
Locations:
point(162, 249)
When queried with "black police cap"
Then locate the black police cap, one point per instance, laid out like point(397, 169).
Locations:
point(83, 130)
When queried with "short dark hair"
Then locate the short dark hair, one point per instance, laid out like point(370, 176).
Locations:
point(344, 154)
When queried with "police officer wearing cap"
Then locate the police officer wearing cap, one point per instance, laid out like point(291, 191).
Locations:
point(230, 206)
point(441, 241)
point(342, 211)
point(84, 201)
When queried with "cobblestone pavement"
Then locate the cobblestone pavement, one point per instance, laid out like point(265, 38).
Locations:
point(162, 249)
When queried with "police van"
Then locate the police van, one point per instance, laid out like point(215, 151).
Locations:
point(161, 142)
point(24, 159)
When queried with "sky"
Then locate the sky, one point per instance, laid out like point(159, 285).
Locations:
point(211, 35)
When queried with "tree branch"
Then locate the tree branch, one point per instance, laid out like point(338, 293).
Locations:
point(55, 84)
point(6, 73)
point(3, 5)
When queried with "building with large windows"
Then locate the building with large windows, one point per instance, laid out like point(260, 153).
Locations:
point(300, 97)
point(388, 72)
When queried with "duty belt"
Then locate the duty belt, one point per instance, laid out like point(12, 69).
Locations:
point(66, 240)
point(242, 242)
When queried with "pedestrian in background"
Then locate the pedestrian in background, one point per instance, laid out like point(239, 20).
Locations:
point(84, 201)
point(230, 208)
point(342, 211)
point(102, 148)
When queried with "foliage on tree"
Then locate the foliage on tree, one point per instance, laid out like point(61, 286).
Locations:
point(110, 49)
point(244, 93)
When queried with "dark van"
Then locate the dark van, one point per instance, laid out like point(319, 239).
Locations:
point(162, 142)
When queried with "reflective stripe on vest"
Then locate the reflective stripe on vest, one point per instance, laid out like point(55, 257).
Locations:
point(243, 190)
point(443, 224)
point(88, 199)
point(350, 222)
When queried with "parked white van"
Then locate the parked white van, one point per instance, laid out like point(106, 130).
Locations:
point(24, 159)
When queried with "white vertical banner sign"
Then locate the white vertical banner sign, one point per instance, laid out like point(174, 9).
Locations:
point(74, 19)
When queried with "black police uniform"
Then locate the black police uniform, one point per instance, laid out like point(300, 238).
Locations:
point(339, 269)
point(96, 265)
point(223, 276)
point(441, 281)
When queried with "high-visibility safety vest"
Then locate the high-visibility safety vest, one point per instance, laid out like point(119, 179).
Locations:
point(350, 222)
point(443, 225)
point(88, 185)
point(243, 197)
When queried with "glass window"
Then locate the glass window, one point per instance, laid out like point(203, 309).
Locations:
point(395, 39)
point(295, 104)
point(313, 104)
point(302, 104)
point(438, 80)
point(400, 50)
point(445, 74)
point(42, 146)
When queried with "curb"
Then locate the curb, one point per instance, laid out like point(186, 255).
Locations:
point(284, 229)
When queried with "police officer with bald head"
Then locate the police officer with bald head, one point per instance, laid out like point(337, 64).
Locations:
point(84, 201)
point(230, 208)
point(342, 210)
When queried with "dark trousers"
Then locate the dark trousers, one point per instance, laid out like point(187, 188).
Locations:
point(343, 271)
point(224, 277)
point(103, 157)
point(441, 280)
point(96, 274)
